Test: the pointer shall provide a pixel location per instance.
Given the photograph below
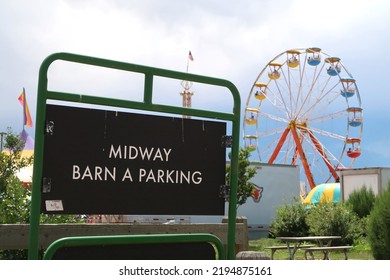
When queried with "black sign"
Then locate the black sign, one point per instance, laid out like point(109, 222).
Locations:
point(107, 162)
point(159, 251)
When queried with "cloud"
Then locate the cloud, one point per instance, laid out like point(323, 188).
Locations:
point(230, 40)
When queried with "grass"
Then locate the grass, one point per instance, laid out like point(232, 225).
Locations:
point(358, 252)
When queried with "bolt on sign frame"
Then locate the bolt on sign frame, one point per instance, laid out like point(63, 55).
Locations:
point(147, 105)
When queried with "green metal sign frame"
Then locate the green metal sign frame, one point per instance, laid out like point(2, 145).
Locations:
point(147, 105)
point(90, 241)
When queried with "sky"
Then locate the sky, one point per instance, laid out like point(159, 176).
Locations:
point(232, 40)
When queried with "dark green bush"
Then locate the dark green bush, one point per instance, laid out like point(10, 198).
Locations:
point(290, 220)
point(361, 201)
point(379, 227)
point(334, 219)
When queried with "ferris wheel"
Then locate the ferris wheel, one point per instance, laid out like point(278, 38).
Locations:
point(304, 108)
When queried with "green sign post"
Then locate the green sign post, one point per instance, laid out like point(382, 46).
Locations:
point(147, 105)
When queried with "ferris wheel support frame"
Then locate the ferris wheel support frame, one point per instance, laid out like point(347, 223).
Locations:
point(279, 145)
point(299, 148)
point(319, 148)
point(309, 174)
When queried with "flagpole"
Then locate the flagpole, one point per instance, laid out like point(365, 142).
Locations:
point(189, 57)
point(188, 63)
point(2, 134)
point(24, 108)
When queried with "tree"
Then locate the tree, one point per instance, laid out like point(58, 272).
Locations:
point(15, 203)
point(11, 161)
point(245, 173)
point(379, 226)
point(15, 199)
point(290, 220)
point(361, 201)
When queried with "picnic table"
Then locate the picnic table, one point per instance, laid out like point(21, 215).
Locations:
point(323, 243)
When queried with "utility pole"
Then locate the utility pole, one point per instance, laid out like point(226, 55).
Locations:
point(2, 134)
point(186, 93)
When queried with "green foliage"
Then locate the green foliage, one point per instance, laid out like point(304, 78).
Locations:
point(361, 201)
point(334, 219)
point(379, 226)
point(325, 219)
point(11, 161)
point(15, 203)
point(290, 220)
point(245, 173)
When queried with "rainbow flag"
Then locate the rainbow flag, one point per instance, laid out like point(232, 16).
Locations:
point(27, 120)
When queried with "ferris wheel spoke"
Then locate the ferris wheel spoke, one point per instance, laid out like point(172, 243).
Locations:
point(309, 94)
point(321, 100)
point(294, 85)
point(282, 101)
point(273, 117)
point(275, 131)
point(300, 89)
point(268, 147)
point(289, 79)
point(315, 77)
point(324, 133)
point(328, 117)
point(275, 102)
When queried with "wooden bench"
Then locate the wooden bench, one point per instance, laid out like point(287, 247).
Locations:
point(275, 248)
point(326, 250)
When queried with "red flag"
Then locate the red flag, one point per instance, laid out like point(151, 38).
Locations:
point(27, 120)
point(190, 57)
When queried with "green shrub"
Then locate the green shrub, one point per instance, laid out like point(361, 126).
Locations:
point(245, 173)
point(379, 227)
point(334, 219)
point(290, 220)
point(361, 201)
point(15, 203)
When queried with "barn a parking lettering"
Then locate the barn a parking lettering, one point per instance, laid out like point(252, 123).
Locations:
point(126, 172)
